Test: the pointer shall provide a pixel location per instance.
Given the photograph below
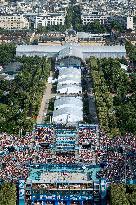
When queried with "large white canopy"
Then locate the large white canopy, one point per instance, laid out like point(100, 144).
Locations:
point(69, 80)
point(68, 102)
point(67, 115)
point(69, 76)
point(68, 110)
point(69, 89)
point(69, 72)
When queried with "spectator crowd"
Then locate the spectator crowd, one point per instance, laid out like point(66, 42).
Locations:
point(116, 156)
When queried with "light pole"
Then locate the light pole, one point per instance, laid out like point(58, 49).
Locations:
point(125, 167)
point(124, 149)
point(20, 132)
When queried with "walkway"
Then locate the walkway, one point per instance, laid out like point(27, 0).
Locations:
point(45, 103)
point(91, 98)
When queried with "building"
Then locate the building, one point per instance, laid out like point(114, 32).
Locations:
point(131, 37)
point(132, 11)
point(14, 22)
point(93, 39)
point(89, 18)
point(12, 68)
point(49, 20)
point(18, 37)
point(130, 24)
point(73, 50)
point(55, 37)
point(71, 36)
point(126, 21)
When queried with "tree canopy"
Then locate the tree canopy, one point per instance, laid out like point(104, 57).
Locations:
point(8, 194)
point(7, 53)
point(20, 98)
point(115, 95)
point(131, 52)
point(121, 194)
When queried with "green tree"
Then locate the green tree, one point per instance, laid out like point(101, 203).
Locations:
point(20, 106)
point(94, 27)
point(8, 194)
point(7, 53)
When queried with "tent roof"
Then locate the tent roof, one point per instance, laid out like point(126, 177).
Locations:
point(59, 86)
point(71, 80)
point(68, 111)
point(70, 71)
point(69, 101)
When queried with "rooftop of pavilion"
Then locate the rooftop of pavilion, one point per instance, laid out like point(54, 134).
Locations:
point(67, 50)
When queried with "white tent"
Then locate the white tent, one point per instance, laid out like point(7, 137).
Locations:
point(69, 89)
point(67, 115)
point(73, 102)
point(68, 80)
point(69, 70)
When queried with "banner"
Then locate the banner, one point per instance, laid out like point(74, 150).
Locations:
point(21, 192)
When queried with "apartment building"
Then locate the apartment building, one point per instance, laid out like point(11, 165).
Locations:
point(14, 22)
point(50, 19)
point(88, 18)
point(130, 24)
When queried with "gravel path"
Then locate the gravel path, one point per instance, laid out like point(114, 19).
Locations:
point(45, 102)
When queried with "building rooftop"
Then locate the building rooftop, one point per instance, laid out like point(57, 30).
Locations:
point(67, 87)
point(12, 68)
point(70, 50)
point(68, 101)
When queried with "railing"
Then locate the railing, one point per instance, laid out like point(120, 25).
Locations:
point(72, 167)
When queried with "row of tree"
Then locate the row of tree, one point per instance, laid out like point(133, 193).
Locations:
point(103, 97)
point(123, 194)
point(115, 96)
point(20, 98)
